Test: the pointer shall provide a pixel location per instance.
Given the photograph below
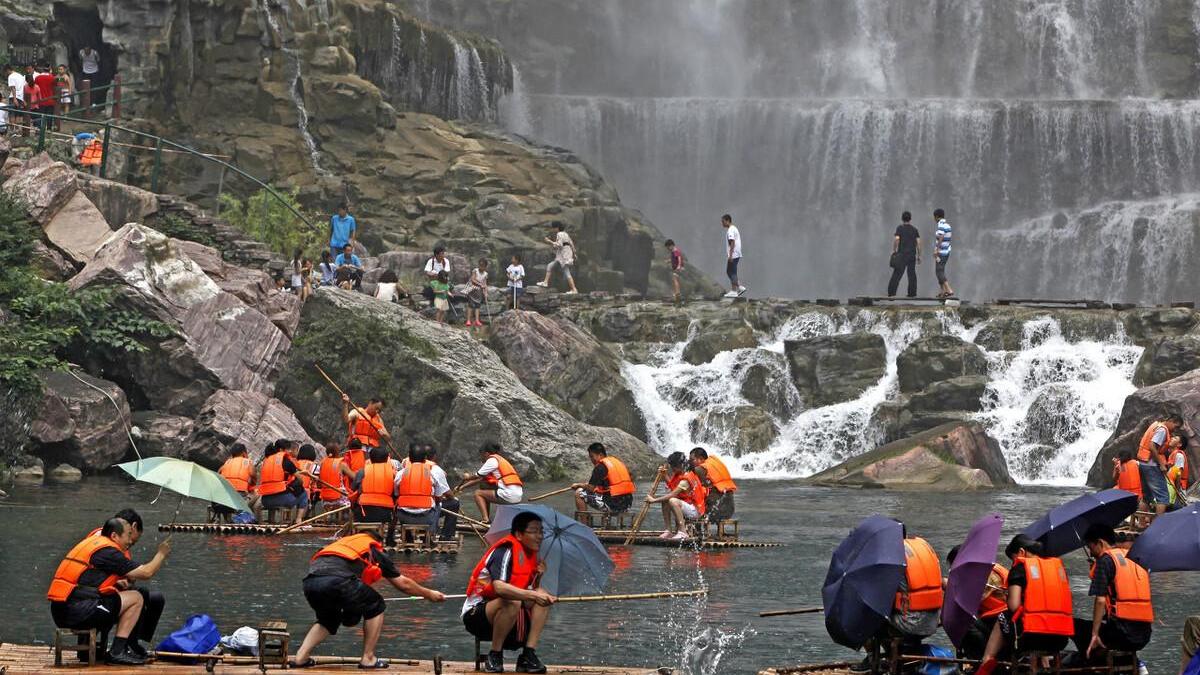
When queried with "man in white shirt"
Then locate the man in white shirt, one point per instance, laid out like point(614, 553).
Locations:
point(733, 255)
point(438, 263)
point(14, 95)
point(564, 258)
point(446, 501)
point(415, 492)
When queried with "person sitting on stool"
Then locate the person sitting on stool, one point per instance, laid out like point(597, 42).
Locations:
point(1122, 616)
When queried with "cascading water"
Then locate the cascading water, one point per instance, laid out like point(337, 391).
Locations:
point(295, 78)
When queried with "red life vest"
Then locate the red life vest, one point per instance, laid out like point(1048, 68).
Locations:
point(366, 429)
point(1132, 585)
point(357, 547)
point(994, 602)
point(718, 475)
point(523, 570)
point(1145, 447)
point(507, 473)
point(331, 474)
point(378, 484)
point(1183, 475)
point(273, 479)
point(923, 573)
point(416, 487)
point(1046, 600)
point(93, 153)
point(1129, 478)
point(619, 482)
point(238, 471)
point(695, 491)
point(78, 561)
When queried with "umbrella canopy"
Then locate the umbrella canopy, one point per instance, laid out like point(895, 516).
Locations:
point(576, 562)
point(864, 575)
point(968, 576)
point(185, 478)
point(1061, 530)
point(1171, 543)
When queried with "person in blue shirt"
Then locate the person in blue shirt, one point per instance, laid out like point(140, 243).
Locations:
point(342, 229)
point(349, 267)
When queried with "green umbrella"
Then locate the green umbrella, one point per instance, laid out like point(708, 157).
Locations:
point(186, 478)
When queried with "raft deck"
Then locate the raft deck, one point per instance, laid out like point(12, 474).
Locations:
point(30, 659)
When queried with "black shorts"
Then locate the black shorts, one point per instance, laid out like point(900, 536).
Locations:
point(341, 601)
point(477, 624)
point(608, 503)
point(100, 614)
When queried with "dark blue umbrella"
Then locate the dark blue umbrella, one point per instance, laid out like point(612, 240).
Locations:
point(864, 575)
point(576, 562)
point(1171, 543)
point(968, 576)
point(1061, 530)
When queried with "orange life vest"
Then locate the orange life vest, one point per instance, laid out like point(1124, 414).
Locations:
point(1183, 476)
point(695, 492)
point(238, 471)
point(378, 483)
point(523, 570)
point(78, 561)
point(619, 482)
point(416, 487)
point(1046, 601)
point(1129, 478)
point(305, 466)
point(355, 459)
point(273, 479)
point(507, 473)
point(96, 533)
point(1132, 584)
point(995, 602)
point(923, 573)
point(93, 153)
point(357, 547)
point(718, 475)
point(1145, 447)
point(331, 473)
point(366, 429)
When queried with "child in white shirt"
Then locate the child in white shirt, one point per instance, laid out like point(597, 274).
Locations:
point(516, 279)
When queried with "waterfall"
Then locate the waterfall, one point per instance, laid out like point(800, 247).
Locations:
point(515, 109)
point(295, 78)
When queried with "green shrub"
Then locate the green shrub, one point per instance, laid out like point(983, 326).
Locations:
point(270, 221)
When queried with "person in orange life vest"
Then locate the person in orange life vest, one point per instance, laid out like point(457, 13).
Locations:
point(1127, 476)
point(505, 604)
point(918, 602)
point(278, 483)
point(355, 458)
point(306, 461)
point(684, 499)
point(609, 489)
point(1178, 466)
point(502, 485)
point(1122, 613)
point(334, 471)
point(1152, 461)
point(375, 485)
point(368, 430)
point(446, 501)
point(153, 602)
point(90, 588)
point(339, 589)
point(718, 484)
point(416, 490)
point(1038, 618)
point(993, 602)
point(239, 471)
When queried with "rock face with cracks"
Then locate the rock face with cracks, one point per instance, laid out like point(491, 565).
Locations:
point(836, 368)
point(81, 422)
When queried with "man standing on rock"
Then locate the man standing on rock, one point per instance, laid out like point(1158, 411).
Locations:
point(941, 249)
point(906, 255)
point(342, 230)
point(1152, 461)
point(564, 258)
point(733, 255)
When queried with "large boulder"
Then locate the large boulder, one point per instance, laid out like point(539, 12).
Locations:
point(220, 342)
point(81, 422)
point(956, 393)
point(118, 202)
point(1145, 326)
point(248, 417)
point(160, 435)
point(767, 384)
point(739, 430)
point(836, 368)
point(44, 185)
point(253, 287)
point(78, 229)
point(639, 322)
point(439, 385)
point(567, 367)
point(719, 337)
point(1167, 359)
point(936, 358)
point(1178, 396)
point(956, 456)
point(1055, 417)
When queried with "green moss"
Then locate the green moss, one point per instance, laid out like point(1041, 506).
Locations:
point(362, 335)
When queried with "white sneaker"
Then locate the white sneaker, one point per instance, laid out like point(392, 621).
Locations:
point(571, 293)
point(665, 535)
point(731, 294)
point(680, 536)
point(741, 290)
point(543, 284)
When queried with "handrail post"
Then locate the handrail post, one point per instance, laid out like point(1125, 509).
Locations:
point(157, 165)
point(104, 151)
point(85, 94)
point(41, 145)
point(116, 108)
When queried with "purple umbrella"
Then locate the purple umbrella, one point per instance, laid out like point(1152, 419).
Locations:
point(968, 576)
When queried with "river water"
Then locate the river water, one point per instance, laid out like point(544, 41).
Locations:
point(241, 580)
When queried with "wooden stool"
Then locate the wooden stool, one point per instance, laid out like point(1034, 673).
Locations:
point(586, 517)
point(1121, 662)
point(605, 521)
point(625, 520)
point(727, 530)
point(1035, 662)
point(273, 641)
point(419, 534)
point(878, 653)
point(480, 657)
point(89, 633)
point(378, 528)
point(288, 513)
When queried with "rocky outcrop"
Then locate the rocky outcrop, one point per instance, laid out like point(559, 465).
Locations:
point(253, 287)
point(117, 202)
point(567, 367)
point(439, 384)
point(836, 368)
point(952, 457)
point(78, 229)
point(1178, 396)
point(81, 423)
point(1167, 359)
point(251, 418)
point(71, 224)
point(740, 430)
point(1146, 326)
point(220, 342)
point(936, 358)
point(160, 435)
point(766, 383)
point(716, 337)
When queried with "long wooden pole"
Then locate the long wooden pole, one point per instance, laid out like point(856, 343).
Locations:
point(470, 521)
point(637, 522)
point(314, 518)
point(598, 598)
point(417, 597)
point(789, 612)
point(361, 412)
point(551, 494)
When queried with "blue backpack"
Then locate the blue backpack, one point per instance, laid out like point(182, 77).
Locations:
point(930, 668)
point(244, 518)
point(198, 636)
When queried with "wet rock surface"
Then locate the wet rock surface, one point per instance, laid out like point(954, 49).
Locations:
point(836, 368)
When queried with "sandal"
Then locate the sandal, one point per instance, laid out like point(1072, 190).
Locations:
point(379, 664)
point(307, 664)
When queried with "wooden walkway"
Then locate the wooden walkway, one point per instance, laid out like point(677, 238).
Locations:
point(815, 669)
point(31, 659)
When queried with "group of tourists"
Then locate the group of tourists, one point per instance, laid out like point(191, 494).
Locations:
point(1160, 473)
point(906, 254)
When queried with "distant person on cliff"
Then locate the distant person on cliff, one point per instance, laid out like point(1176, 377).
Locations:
point(941, 248)
point(516, 280)
point(733, 255)
point(501, 482)
point(676, 269)
point(350, 268)
point(433, 267)
point(564, 257)
point(609, 489)
point(328, 269)
point(906, 255)
point(441, 295)
point(343, 230)
point(477, 296)
point(718, 484)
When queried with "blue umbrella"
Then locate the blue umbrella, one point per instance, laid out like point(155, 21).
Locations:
point(968, 576)
point(576, 562)
point(864, 575)
point(1061, 530)
point(1171, 543)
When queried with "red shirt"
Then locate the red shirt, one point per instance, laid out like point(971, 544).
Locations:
point(45, 83)
point(32, 94)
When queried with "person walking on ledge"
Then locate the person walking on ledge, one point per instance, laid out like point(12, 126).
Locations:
point(564, 258)
point(733, 256)
point(906, 255)
point(941, 248)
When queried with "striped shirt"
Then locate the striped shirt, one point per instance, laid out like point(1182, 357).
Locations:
point(943, 230)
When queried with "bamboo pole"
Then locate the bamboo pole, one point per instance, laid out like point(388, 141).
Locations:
point(470, 521)
point(635, 596)
point(314, 518)
point(417, 597)
point(362, 413)
point(789, 612)
point(551, 494)
point(637, 522)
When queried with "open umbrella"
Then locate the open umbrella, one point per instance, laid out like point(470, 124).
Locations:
point(864, 575)
point(968, 576)
point(187, 479)
point(1171, 543)
point(576, 561)
point(1061, 530)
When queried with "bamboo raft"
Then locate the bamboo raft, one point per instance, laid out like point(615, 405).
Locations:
point(18, 659)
